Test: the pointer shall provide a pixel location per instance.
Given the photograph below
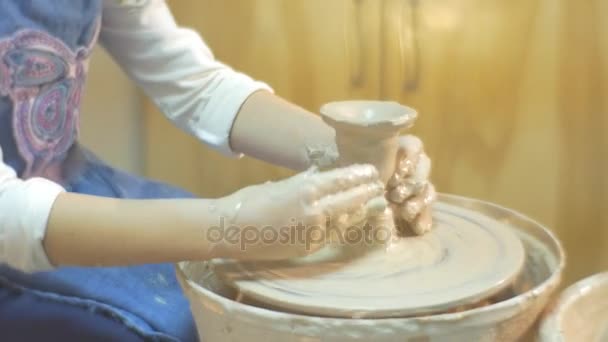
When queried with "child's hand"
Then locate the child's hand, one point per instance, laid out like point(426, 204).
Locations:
point(409, 190)
point(290, 218)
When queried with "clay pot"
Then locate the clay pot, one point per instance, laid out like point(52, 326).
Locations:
point(368, 132)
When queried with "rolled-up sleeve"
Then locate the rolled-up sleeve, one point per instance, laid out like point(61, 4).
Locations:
point(25, 206)
point(176, 69)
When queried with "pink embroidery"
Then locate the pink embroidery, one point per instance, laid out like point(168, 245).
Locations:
point(44, 78)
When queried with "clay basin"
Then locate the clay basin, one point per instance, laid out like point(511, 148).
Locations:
point(580, 313)
point(220, 317)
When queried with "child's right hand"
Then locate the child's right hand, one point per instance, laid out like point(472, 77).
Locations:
point(289, 218)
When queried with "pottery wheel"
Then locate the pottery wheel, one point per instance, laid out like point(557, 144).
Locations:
point(467, 258)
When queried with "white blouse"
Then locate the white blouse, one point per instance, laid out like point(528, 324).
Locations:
point(176, 69)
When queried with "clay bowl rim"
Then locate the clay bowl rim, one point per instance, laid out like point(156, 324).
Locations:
point(552, 322)
point(397, 121)
point(514, 303)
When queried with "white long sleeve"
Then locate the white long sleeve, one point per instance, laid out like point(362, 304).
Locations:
point(24, 210)
point(176, 69)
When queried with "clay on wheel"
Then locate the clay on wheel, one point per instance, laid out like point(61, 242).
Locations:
point(467, 258)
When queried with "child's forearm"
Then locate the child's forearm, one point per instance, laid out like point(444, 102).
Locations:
point(254, 223)
point(276, 131)
point(94, 231)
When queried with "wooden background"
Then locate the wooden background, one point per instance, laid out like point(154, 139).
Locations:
point(511, 95)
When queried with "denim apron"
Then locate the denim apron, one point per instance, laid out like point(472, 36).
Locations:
point(44, 51)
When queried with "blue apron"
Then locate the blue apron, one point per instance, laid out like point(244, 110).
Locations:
point(44, 50)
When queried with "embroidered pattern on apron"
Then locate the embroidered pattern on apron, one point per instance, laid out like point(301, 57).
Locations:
point(44, 79)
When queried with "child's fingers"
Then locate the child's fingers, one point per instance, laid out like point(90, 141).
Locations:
point(404, 191)
point(414, 206)
point(423, 222)
point(410, 149)
point(341, 179)
point(422, 171)
point(349, 201)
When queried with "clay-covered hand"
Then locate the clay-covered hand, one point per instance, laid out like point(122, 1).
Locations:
point(409, 191)
point(289, 218)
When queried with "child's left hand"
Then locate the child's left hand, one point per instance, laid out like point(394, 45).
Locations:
point(409, 190)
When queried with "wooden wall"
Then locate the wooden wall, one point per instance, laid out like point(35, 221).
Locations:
point(511, 95)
